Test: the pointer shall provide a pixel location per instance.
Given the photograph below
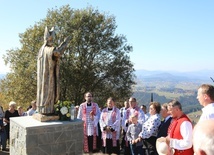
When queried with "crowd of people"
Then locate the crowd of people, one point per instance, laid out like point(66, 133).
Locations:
point(5, 116)
point(164, 130)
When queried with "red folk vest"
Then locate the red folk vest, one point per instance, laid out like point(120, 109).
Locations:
point(175, 133)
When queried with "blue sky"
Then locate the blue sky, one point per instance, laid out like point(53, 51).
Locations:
point(166, 35)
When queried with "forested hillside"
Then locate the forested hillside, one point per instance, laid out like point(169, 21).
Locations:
point(166, 86)
point(189, 103)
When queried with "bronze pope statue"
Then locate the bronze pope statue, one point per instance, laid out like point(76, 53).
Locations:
point(48, 89)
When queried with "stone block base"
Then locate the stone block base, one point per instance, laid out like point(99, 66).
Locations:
point(29, 136)
point(44, 118)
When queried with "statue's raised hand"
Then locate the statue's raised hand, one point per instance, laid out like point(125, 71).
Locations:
point(67, 39)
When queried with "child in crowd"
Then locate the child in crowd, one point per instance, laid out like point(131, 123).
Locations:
point(132, 134)
point(21, 111)
point(32, 110)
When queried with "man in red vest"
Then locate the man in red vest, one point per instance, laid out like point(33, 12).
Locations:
point(180, 131)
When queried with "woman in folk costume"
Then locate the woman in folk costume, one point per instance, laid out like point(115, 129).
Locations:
point(110, 127)
point(134, 109)
point(150, 129)
point(89, 112)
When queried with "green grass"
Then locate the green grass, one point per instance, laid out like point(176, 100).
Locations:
point(168, 95)
point(194, 116)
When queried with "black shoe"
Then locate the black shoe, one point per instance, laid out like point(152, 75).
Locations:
point(5, 149)
point(122, 151)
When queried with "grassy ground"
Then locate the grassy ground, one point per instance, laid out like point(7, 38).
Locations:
point(194, 116)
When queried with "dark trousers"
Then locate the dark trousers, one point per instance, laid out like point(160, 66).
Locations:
point(123, 142)
point(109, 148)
point(3, 134)
point(90, 144)
point(99, 139)
point(127, 149)
point(149, 146)
point(3, 137)
point(136, 150)
point(7, 129)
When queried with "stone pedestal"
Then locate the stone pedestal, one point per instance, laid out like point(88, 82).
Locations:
point(44, 118)
point(32, 137)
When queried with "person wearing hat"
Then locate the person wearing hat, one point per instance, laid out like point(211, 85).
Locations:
point(180, 131)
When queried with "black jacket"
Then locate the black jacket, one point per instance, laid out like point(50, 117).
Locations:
point(163, 128)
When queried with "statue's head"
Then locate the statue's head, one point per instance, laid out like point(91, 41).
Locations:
point(49, 35)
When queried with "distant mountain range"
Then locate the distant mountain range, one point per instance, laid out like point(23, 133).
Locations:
point(171, 76)
point(203, 76)
point(167, 85)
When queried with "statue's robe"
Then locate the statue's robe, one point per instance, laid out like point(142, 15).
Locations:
point(47, 79)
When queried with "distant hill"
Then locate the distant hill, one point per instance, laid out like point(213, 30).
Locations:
point(168, 85)
point(203, 75)
point(173, 76)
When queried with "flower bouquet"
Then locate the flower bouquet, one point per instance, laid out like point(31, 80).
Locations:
point(62, 108)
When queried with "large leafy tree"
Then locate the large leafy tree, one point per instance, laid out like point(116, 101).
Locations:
point(96, 59)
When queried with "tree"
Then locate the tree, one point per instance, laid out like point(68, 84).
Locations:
point(96, 60)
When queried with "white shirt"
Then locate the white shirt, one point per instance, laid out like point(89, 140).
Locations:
point(122, 112)
point(147, 115)
point(167, 117)
point(89, 122)
point(108, 121)
point(30, 112)
point(186, 133)
point(141, 116)
point(150, 127)
point(207, 112)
